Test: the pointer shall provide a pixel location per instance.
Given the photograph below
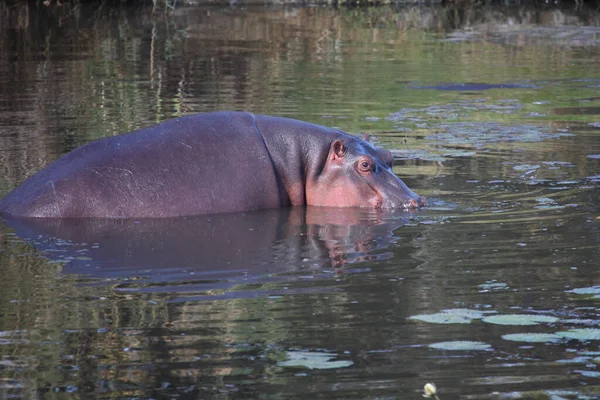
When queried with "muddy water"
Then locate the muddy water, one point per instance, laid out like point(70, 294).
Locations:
point(493, 114)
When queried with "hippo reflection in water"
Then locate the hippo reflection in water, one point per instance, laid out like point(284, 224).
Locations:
point(212, 163)
point(213, 251)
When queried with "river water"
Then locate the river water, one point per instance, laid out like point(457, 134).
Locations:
point(492, 291)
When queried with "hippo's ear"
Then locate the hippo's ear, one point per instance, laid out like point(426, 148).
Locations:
point(338, 150)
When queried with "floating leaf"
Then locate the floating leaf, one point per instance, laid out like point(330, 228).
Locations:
point(461, 345)
point(580, 321)
point(492, 286)
point(588, 374)
point(450, 316)
point(459, 153)
point(519, 319)
point(587, 290)
point(478, 134)
point(313, 360)
point(526, 167)
point(575, 360)
point(532, 337)
point(545, 200)
point(546, 203)
point(417, 154)
point(581, 334)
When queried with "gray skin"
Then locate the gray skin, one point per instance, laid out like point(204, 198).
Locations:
point(212, 163)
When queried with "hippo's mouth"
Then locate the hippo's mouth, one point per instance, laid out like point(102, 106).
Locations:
point(416, 203)
point(411, 203)
point(407, 203)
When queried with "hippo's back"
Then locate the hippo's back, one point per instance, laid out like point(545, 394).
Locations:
point(205, 163)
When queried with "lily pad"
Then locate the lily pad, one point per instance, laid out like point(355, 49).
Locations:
point(417, 154)
point(479, 134)
point(450, 316)
point(461, 345)
point(581, 334)
point(313, 360)
point(588, 321)
point(526, 167)
point(532, 337)
point(459, 153)
point(595, 290)
point(574, 360)
point(519, 319)
point(545, 200)
point(492, 286)
point(588, 374)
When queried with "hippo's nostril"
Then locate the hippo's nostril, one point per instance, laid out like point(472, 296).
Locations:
point(414, 203)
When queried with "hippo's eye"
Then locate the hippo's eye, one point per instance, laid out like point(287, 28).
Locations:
point(364, 166)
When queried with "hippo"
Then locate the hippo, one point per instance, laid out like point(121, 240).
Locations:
point(210, 163)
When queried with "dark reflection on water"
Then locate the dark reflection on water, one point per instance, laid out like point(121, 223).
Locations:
point(213, 252)
point(313, 302)
point(577, 111)
point(473, 87)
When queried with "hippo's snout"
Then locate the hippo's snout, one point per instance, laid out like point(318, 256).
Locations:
point(395, 193)
point(407, 201)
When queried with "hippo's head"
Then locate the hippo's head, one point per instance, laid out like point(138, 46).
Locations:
point(355, 174)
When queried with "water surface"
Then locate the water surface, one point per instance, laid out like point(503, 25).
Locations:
point(492, 114)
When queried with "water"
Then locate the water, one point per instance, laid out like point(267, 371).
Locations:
point(492, 114)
